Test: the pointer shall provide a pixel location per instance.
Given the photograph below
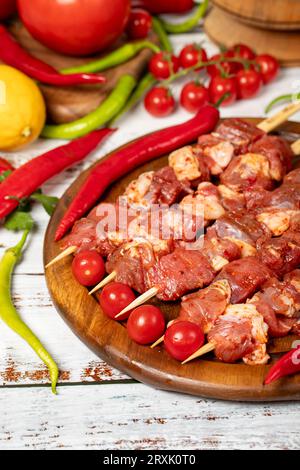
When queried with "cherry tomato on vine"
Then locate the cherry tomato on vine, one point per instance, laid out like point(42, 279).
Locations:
point(243, 51)
point(223, 66)
point(268, 67)
point(114, 298)
point(139, 24)
point(182, 339)
point(88, 268)
point(193, 97)
point(159, 102)
point(191, 55)
point(249, 83)
point(163, 65)
point(221, 86)
point(146, 324)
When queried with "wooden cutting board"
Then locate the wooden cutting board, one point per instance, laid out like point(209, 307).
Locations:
point(109, 340)
point(66, 104)
point(227, 30)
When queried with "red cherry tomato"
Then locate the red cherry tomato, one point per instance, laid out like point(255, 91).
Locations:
point(220, 86)
point(268, 67)
point(182, 339)
point(75, 27)
point(114, 298)
point(191, 55)
point(223, 66)
point(243, 51)
point(7, 8)
point(88, 268)
point(146, 324)
point(5, 166)
point(193, 97)
point(159, 102)
point(139, 24)
point(163, 65)
point(249, 83)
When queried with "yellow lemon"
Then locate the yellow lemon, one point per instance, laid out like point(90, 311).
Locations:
point(22, 109)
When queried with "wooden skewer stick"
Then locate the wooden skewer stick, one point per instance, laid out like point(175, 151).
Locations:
point(204, 350)
point(268, 125)
point(62, 255)
point(296, 147)
point(104, 282)
point(140, 300)
point(160, 340)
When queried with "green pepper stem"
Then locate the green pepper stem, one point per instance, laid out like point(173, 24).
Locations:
point(117, 57)
point(190, 23)
point(163, 37)
point(9, 314)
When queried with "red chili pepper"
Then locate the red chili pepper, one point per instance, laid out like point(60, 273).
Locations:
point(289, 364)
point(137, 153)
point(5, 166)
point(165, 6)
point(30, 176)
point(13, 54)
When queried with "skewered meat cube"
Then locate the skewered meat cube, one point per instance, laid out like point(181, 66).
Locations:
point(278, 152)
point(239, 133)
point(245, 277)
point(216, 152)
point(204, 307)
point(248, 170)
point(281, 255)
point(187, 166)
point(240, 333)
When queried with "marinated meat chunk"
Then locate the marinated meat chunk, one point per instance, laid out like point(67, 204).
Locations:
point(239, 133)
point(278, 152)
point(245, 277)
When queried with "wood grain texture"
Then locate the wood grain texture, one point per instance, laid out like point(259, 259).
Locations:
point(267, 14)
point(282, 45)
point(66, 104)
point(133, 416)
point(110, 341)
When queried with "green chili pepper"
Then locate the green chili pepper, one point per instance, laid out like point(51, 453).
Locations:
point(163, 37)
point(279, 99)
point(146, 82)
point(9, 314)
point(116, 57)
point(190, 23)
point(103, 114)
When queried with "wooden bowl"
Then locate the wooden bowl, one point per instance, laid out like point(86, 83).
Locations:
point(284, 45)
point(266, 14)
point(109, 339)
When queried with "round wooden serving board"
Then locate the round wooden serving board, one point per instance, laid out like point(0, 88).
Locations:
point(109, 340)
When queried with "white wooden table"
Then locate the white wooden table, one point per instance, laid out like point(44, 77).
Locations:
point(98, 407)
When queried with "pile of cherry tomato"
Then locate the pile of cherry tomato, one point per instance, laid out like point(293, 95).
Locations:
point(145, 324)
point(235, 74)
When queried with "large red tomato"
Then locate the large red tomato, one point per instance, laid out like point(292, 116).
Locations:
point(75, 27)
point(7, 8)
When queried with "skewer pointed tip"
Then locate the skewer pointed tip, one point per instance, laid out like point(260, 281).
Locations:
point(139, 301)
point(69, 251)
point(104, 282)
point(204, 350)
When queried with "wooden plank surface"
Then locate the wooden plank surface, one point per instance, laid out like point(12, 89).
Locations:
point(133, 416)
point(77, 418)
